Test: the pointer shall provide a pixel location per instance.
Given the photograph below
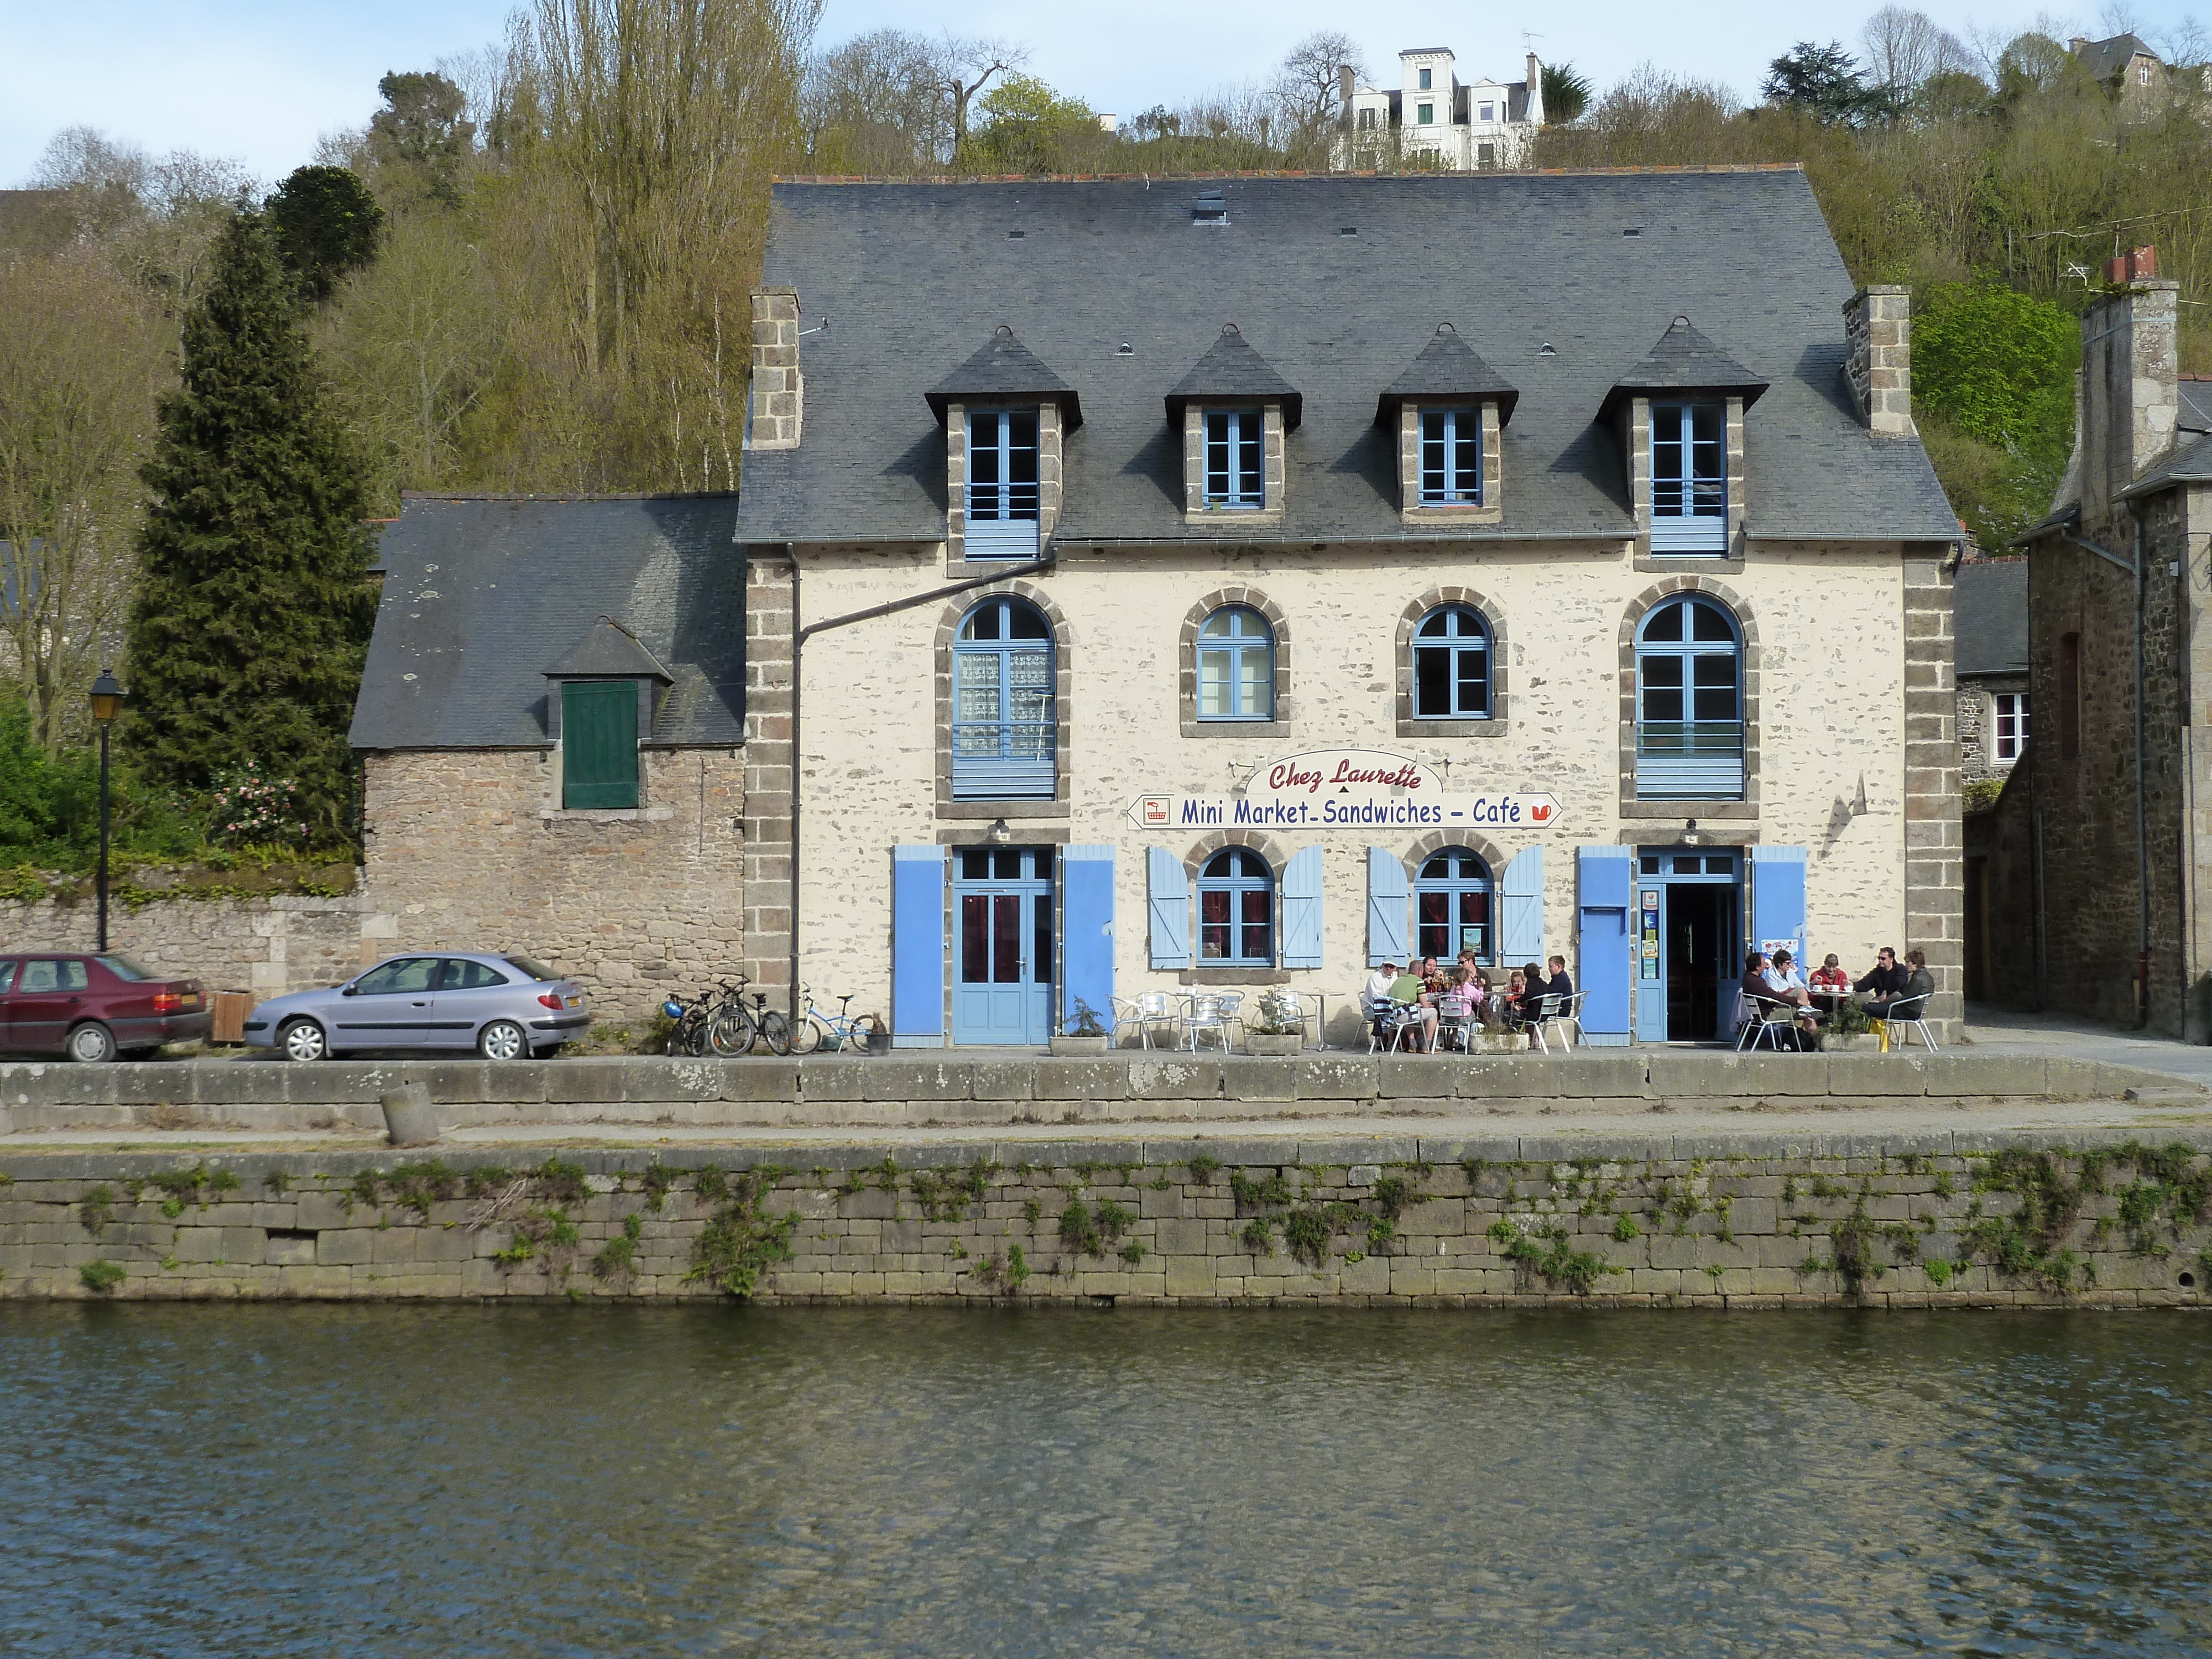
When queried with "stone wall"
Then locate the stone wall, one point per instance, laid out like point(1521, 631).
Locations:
point(1978, 725)
point(1906, 1221)
point(266, 946)
point(469, 850)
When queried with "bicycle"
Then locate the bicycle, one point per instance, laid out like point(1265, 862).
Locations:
point(693, 1016)
point(839, 1030)
point(735, 1027)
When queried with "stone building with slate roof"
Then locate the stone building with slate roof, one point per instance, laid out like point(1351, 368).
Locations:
point(2088, 880)
point(1989, 597)
point(1201, 588)
point(552, 730)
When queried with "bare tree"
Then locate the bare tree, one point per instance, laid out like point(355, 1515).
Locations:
point(1904, 49)
point(970, 66)
point(1308, 83)
point(83, 355)
point(880, 103)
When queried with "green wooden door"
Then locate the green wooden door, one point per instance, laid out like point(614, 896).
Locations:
point(599, 743)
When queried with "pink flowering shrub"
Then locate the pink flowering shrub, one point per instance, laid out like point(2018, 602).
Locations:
point(251, 809)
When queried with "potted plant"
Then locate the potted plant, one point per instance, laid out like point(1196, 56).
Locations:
point(1276, 1027)
point(1083, 1035)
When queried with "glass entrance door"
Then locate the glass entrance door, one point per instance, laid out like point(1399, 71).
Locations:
point(1002, 945)
point(1689, 944)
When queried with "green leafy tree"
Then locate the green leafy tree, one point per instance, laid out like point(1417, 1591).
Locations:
point(1825, 82)
point(1028, 126)
point(1998, 365)
point(327, 225)
point(420, 132)
point(253, 610)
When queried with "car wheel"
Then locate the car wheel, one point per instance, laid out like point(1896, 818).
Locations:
point(302, 1039)
point(503, 1040)
point(91, 1043)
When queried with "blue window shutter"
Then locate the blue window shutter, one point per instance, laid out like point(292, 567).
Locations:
point(1388, 902)
point(1167, 897)
point(1087, 933)
point(1301, 909)
point(1605, 969)
point(1777, 899)
point(918, 944)
point(1521, 908)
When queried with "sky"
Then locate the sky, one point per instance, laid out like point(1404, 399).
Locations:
point(258, 81)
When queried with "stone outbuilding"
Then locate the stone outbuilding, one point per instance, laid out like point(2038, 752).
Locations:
point(2089, 883)
point(1383, 606)
point(551, 728)
point(1990, 599)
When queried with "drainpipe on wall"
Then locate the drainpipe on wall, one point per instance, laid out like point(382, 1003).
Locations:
point(799, 638)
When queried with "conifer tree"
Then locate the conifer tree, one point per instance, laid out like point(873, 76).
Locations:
point(253, 609)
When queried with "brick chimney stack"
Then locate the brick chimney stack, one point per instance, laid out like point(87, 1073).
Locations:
point(2130, 393)
point(1878, 335)
point(778, 388)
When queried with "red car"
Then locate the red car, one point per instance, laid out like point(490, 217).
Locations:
point(93, 1008)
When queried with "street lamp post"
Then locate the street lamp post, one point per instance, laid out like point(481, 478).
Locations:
point(106, 704)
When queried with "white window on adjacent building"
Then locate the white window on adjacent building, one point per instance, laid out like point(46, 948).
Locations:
point(2010, 727)
point(1487, 113)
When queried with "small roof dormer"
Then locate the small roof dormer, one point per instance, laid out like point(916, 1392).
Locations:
point(1231, 371)
point(1684, 360)
point(609, 651)
point(1447, 370)
point(1005, 371)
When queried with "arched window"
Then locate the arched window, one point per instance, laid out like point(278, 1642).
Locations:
point(1235, 665)
point(1452, 907)
point(1236, 910)
point(1451, 666)
point(1689, 702)
point(1003, 724)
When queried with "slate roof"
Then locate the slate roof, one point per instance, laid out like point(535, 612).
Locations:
point(2105, 58)
point(917, 273)
point(1989, 604)
point(2189, 463)
point(1003, 368)
point(1232, 369)
point(1447, 367)
point(483, 594)
point(1686, 361)
point(2197, 405)
point(608, 649)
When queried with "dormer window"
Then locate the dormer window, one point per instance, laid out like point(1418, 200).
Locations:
point(604, 693)
point(1689, 477)
point(1680, 416)
point(1451, 457)
point(1006, 418)
point(1234, 413)
point(1002, 484)
point(1234, 472)
point(1448, 410)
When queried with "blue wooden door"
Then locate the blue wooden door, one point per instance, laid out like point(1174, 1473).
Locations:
point(1002, 908)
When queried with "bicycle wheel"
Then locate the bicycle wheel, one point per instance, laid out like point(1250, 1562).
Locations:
point(806, 1036)
point(732, 1033)
point(689, 1036)
point(775, 1031)
point(863, 1039)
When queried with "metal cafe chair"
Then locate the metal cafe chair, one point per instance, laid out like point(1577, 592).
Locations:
point(1210, 1014)
point(1149, 1011)
point(1547, 1013)
point(1906, 1015)
point(1569, 1012)
point(1389, 1024)
point(1769, 1021)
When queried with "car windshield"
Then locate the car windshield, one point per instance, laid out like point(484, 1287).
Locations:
point(534, 970)
point(123, 968)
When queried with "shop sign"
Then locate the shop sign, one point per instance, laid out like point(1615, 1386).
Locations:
point(1346, 789)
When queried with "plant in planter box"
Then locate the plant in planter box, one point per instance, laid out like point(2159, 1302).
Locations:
point(1275, 1013)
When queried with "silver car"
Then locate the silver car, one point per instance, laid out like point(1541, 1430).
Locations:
point(503, 1006)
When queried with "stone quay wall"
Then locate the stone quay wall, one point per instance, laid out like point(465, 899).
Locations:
point(1939, 1219)
point(839, 1092)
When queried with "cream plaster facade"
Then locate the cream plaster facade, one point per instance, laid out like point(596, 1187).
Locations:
point(1830, 652)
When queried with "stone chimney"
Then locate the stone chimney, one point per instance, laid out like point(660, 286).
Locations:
point(1878, 361)
point(779, 388)
point(1534, 108)
point(2130, 398)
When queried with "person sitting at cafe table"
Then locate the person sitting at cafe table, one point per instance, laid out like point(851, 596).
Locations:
point(1561, 984)
point(1761, 985)
point(1789, 986)
point(1829, 982)
point(1884, 985)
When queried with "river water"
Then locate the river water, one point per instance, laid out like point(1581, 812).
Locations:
point(385, 1479)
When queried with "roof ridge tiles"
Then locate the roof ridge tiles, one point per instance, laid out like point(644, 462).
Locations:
point(1261, 172)
point(576, 495)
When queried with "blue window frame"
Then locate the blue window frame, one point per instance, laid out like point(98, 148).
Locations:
point(1451, 666)
point(1002, 484)
point(1234, 473)
point(1235, 665)
point(1452, 907)
point(1689, 702)
point(1689, 478)
point(1451, 457)
point(1236, 910)
point(1004, 727)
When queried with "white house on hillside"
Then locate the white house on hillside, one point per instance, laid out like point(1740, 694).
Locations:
point(1461, 126)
